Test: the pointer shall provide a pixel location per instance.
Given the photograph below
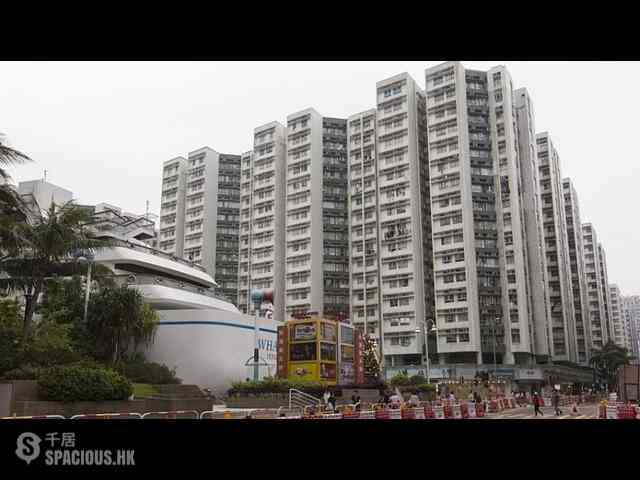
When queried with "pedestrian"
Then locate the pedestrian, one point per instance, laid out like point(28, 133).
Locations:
point(452, 397)
point(414, 401)
point(332, 402)
point(357, 404)
point(536, 404)
point(556, 402)
point(353, 399)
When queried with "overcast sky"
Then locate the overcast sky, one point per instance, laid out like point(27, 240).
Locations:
point(103, 129)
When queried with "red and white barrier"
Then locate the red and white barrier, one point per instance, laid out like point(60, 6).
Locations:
point(107, 416)
point(35, 417)
point(177, 414)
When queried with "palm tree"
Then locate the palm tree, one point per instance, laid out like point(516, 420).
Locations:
point(45, 247)
point(12, 207)
point(608, 360)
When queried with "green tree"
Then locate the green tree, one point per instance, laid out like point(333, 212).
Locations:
point(46, 248)
point(10, 334)
point(608, 360)
point(120, 322)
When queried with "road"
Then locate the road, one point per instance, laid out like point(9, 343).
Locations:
point(585, 412)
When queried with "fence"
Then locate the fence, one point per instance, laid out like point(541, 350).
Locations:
point(178, 414)
point(107, 416)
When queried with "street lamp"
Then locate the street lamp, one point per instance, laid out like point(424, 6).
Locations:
point(424, 329)
point(88, 259)
point(258, 297)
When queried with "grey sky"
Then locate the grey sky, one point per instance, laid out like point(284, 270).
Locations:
point(103, 129)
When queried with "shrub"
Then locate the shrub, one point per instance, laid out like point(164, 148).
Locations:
point(25, 372)
point(77, 383)
point(138, 370)
point(275, 385)
point(10, 335)
point(400, 379)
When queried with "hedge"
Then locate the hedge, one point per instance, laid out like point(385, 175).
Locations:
point(78, 383)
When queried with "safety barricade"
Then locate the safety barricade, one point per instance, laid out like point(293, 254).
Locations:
point(351, 415)
point(627, 412)
point(407, 414)
point(382, 414)
point(264, 414)
point(107, 416)
point(493, 406)
point(332, 416)
point(471, 410)
point(428, 412)
point(612, 412)
point(546, 401)
point(395, 414)
point(448, 411)
point(35, 417)
point(456, 411)
point(177, 414)
point(480, 410)
point(438, 412)
point(418, 413)
point(367, 415)
point(464, 410)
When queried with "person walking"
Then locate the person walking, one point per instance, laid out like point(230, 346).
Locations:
point(332, 402)
point(536, 404)
point(556, 402)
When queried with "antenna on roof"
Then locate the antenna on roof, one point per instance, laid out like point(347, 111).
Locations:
point(147, 215)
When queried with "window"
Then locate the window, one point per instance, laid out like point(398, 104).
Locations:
point(448, 279)
point(462, 297)
point(446, 259)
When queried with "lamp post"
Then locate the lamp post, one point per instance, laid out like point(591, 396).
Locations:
point(426, 344)
point(258, 297)
point(88, 259)
point(494, 324)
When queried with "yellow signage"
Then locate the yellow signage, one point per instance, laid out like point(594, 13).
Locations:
point(303, 371)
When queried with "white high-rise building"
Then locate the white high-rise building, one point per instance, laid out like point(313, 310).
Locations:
point(200, 213)
point(294, 236)
point(595, 288)
point(631, 315)
point(389, 218)
point(563, 335)
point(262, 218)
point(482, 217)
point(606, 294)
point(617, 322)
point(39, 195)
point(578, 275)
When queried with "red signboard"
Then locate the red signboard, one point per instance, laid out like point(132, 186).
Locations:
point(359, 358)
point(283, 353)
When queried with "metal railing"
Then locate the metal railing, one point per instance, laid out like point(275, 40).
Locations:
point(147, 279)
point(298, 398)
point(157, 253)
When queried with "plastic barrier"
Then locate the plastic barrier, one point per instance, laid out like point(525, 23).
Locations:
point(448, 411)
point(367, 415)
point(438, 413)
point(627, 412)
point(471, 410)
point(332, 416)
point(264, 414)
point(382, 414)
point(493, 406)
point(464, 410)
point(177, 414)
point(612, 412)
point(107, 416)
point(407, 414)
point(457, 411)
point(35, 417)
point(395, 414)
point(351, 414)
point(429, 412)
point(480, 411)
point(419, 413)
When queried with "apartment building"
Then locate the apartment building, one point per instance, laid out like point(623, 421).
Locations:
point(262, 218)
point(537, 284)
point(389, 220)
point(484, 260)
point(578, 275)
point(199, 217)
point(606, 294)
point(617, 321)
point(631, 314)
point(172, 201)
point(316, 257)
point(595, 289)
point(564, 344)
